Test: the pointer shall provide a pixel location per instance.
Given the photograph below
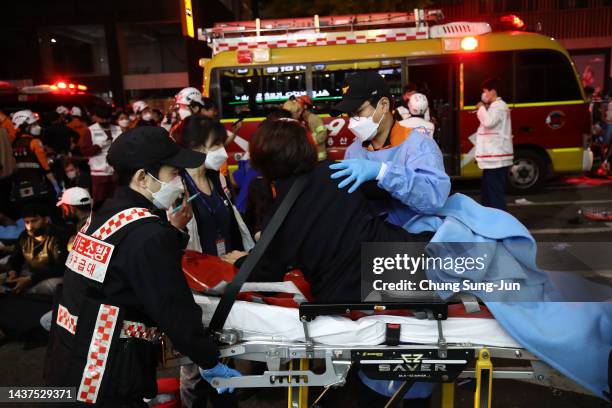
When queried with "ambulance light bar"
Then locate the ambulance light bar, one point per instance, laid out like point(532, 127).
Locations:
point(454, 30)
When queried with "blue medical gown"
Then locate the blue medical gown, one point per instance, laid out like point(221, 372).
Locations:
point(415, 177)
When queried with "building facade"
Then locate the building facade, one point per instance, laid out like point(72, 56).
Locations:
point(121, 50)
point(584, 27)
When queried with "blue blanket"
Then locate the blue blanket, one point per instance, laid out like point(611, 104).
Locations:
point(573, 337)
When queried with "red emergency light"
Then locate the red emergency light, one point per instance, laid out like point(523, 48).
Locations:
point(514, 21)
point(244, 56)
point(69, 87)
point(469, 43)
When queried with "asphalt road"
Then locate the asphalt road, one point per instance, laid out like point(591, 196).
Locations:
point(551, 216)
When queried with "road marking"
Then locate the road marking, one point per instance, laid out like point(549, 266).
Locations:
point(581, 202)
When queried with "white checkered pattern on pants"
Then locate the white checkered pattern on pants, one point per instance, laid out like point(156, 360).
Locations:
point(98, 354)
point(137, 330)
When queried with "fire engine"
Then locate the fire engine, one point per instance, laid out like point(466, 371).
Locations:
point(257, 65)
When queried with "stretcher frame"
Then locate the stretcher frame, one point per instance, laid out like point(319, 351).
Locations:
point(339, 359)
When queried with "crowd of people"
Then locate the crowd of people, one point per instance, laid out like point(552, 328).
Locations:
point(75, 177)
point(600, 108)
point(54, 172)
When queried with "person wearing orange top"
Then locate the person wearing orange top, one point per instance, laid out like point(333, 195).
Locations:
point(77, 123)
point(406, 163)
point(5, 122)
point(31, 158)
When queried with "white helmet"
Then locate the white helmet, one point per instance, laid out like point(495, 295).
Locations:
point(76, 111)
point(188, 95)
point(417, 105)
point(62, 110)
point(139, 106)
point(23, 116)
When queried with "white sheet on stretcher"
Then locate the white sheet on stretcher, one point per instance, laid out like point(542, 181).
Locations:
point(259, 321)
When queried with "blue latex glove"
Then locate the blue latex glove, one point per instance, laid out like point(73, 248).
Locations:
point(220, 371)
point(357, 170)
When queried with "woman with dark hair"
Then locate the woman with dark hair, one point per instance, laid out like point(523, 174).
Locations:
point(324, 229)
point(322, 233)
point(213, 230)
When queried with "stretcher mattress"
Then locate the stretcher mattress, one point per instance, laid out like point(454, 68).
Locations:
point(258, 321)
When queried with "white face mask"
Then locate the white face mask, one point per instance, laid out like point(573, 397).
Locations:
point(184, 112)
point(364, 128)
point(35, 130)
point(215, 158)
point(484, 98)
point(71, 174)
point(147, 116)
point(123, 123)
point(168, 193)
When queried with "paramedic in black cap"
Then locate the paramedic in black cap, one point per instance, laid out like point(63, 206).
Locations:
point(362, 87)
point(404, 162)
point(406, 167)
point(123, 283)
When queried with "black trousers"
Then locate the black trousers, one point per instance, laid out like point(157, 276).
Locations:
point(493, 192)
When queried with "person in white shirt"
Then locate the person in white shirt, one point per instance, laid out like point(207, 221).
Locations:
point(94, 145)
point(403, 110)
point(494, 151)
point(418, 106)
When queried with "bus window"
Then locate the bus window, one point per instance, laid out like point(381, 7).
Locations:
point(257, 91)
point(328, 80)
point(545, 76)
point(481, 66)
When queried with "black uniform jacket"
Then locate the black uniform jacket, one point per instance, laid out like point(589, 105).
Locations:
point(322, 236)
point(146, 280)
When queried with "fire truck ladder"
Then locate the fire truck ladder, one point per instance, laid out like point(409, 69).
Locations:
point(316, 30)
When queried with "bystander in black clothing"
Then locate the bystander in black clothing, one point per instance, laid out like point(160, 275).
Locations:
point(59, 137)
point(75, 176)
point(323, 232)
point(322, 236)
point(44, 253)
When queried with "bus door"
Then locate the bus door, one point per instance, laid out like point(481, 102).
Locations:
point(438, 80)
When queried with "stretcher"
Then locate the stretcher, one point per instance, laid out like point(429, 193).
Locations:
point(427, 342)
point(421, 342)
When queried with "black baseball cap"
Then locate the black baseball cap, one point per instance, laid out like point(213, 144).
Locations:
point(146, 146)
point(360, 87)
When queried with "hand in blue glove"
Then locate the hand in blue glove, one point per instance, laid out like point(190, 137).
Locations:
point(357, 170)
point(220, 371)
